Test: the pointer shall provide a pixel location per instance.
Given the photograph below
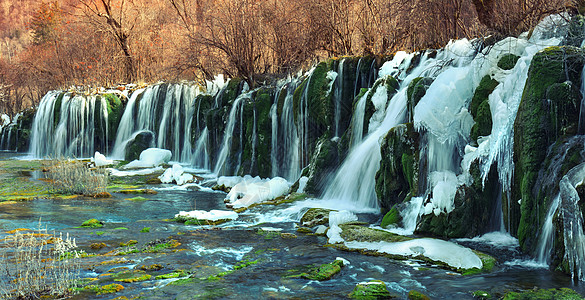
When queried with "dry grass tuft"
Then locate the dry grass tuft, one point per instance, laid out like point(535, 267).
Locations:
point(76, 177)
point(37, 264)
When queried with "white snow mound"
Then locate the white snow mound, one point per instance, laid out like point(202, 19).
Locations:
point(176, 174)
point(255, 190)
point(151, 157)
point(212, 215)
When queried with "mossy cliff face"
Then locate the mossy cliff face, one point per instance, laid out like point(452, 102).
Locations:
point(397, 178)
point(547, 111)
point(480, 108)
point(324, 161)
point(258, 134)
point(417, 88)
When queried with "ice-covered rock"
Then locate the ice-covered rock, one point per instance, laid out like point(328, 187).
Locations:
point(452, 254)
point(212, 215)
point(251, 190)
point(176, 174)
point(151, 157)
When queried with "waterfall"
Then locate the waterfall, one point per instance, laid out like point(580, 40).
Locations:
point(274, 122)
point(220, 166)
point(291, 169)
point(357, 121)
point(355, 179)
point(572, 221)
point(126, 126)
point(42, 127)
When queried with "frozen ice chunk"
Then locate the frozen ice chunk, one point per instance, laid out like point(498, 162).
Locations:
point(100, 160)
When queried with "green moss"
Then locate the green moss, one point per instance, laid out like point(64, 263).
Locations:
point(480, 109)
point(488, 264)
point(416, 295)
point(145, 230)
point(508, 61)
point(483, 295)
point(544, 294)
point(131, 276)
point(176, 274)
point(128, 243)
point(392, 217)
point(374, 289)
point(102, 290)
point(483, 122)
point(92, 223)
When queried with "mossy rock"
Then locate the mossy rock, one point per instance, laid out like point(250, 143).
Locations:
point(480, 108)
point(102, 290)
point(322, 272)
point(543, 116)
point(139, 143)
point(131, 276)
point(176, 274)
point(323, 164)
point(544, 294)
point(92, 223)
point(316, 216)
point(416, 295)
point(397, 177)
point(358, 233)
point(374, 289)
point(392, 217)
point(508, 61)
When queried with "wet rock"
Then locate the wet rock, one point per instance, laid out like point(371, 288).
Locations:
point(415, 91)
point(480, 108)
point(544, 294)
point(392, 217)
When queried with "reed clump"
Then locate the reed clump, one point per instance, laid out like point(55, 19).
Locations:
point(72, 176)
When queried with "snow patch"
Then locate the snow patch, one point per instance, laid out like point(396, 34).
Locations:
point(118, 173)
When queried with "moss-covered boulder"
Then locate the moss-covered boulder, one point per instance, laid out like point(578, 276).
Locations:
point(324, 162)
point(322, 272)
point(417, 88)
point(547, 111)
point(416, 295)
point(508, 61)
point(475, 209)
point(24, 130)
point(371, 290)
point(92, 223)
point(480, 108)
point(141, 141)
point(397, 178)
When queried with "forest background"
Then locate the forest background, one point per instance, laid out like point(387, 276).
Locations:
point(47, 45)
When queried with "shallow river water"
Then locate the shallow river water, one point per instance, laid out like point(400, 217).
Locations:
point(257, 235)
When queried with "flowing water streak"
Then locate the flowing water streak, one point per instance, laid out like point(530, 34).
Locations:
point(201, 156)
point(291, 139)
point(357, 121)
point(338, 94)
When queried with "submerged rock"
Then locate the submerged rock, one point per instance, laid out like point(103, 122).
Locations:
point(140, 142)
